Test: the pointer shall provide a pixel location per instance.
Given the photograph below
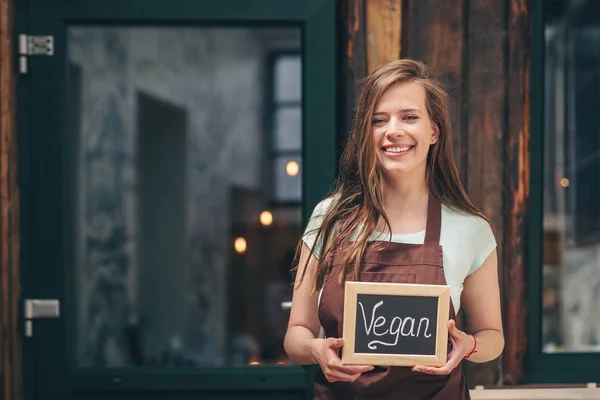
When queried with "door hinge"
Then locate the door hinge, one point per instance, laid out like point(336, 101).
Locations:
point(39, 308)
point(31, 45)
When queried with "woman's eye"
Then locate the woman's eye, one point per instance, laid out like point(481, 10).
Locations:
point(378, 121)
point(411, 117)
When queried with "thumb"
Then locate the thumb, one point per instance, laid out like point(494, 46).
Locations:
point(335, 343)
point(452, 327)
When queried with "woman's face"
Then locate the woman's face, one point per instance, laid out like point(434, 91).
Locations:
point(402, 131)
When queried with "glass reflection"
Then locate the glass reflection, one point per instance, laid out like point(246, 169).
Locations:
point(571, 291)
point(174, 178)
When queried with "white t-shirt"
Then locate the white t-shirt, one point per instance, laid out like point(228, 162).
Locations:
point(466, 241)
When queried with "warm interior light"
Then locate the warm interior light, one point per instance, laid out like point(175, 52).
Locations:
point(266, 218)
point(564, 182)
point(292, 168)
point(240, 245)
point(254, 363)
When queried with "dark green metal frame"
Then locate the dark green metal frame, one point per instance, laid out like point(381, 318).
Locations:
point(272, 106)
point(45, 167)
point(541, 367)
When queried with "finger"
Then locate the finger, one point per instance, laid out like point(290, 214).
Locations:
point(452, 329)
point(335, 364)
point(337, 376)
point(354, 369)
point(433, 371)
point(445, 370)
point(451, 325)
point(335, 343)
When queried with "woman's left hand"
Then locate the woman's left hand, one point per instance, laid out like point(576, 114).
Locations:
point(462, 344)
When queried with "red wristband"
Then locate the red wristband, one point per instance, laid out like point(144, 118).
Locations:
point(474, 348)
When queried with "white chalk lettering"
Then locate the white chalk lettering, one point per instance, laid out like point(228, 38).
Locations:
point(380, 321)
point(405, 327)
point(412, 326)
point(395, 331)
point(368, 329)
point(426, 328)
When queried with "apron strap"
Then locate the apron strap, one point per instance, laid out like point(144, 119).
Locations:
point(434, 222)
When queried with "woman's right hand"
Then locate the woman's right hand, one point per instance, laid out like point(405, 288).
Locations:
point(325, 352)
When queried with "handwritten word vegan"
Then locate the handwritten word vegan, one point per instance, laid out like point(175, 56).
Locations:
point(397, 327)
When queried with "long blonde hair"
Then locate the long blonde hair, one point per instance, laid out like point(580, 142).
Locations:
point(357, 198)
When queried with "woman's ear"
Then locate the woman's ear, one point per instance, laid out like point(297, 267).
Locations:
point(435, 134)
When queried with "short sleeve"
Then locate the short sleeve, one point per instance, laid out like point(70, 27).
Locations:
point(482, 243)
point(314, 225)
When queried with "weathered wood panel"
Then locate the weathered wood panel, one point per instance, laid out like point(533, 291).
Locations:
point(485, 98)
point(371, 36)
point(384, 26)
point(9, 210)
point(465, 42)
point(433, 32)
point(516, 167)
point(354, 60)
point(438, 33)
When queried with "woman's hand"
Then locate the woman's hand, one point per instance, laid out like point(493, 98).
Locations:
point(325, 352)
point(462, 344)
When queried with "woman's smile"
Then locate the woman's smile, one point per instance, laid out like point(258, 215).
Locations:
point(397, 150)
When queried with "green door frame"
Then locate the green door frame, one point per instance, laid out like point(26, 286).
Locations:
point(44, 171)
point(541, 367)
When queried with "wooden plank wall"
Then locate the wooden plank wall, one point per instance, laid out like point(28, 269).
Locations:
point(485, 67)
point(9, 209)
point(516, 177)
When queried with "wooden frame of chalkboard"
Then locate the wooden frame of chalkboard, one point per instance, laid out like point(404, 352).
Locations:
point(408, 344)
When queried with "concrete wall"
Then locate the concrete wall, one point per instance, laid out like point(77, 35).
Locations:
point(215, 78)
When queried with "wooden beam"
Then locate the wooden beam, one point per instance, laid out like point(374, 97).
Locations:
point(373, 38)
point(353, 22)
point(433, 32)
point(9, 210)
point(517, 164)
point(485, 67)
point(384, 26)
point(486, 102)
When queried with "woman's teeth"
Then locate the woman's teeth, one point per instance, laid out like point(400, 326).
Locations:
point(398, 149)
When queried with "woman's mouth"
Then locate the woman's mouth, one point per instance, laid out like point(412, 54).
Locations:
point(397, 150)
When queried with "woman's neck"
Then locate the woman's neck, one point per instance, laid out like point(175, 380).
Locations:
point(405, 205)
point(405, 195)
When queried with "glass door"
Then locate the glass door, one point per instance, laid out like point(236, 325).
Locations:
point(564, 239)
point(176, 149)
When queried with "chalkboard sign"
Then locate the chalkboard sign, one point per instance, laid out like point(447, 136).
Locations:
point(395, 324)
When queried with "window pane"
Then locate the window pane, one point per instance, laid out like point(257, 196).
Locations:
point(180, 259)
point(288, 78)
point(571, 297)
point(288, 128)
point(288, 179)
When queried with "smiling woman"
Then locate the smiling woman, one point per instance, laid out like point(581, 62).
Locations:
point(398, 210)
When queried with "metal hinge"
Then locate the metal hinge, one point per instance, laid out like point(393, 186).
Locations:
point(30, 45)
point(39, 308)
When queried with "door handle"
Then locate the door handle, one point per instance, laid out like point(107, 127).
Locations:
point(39, 308)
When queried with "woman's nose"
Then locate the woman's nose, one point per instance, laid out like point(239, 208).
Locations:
point(395, 129)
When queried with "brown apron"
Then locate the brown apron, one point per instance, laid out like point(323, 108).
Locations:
point(398, 263)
